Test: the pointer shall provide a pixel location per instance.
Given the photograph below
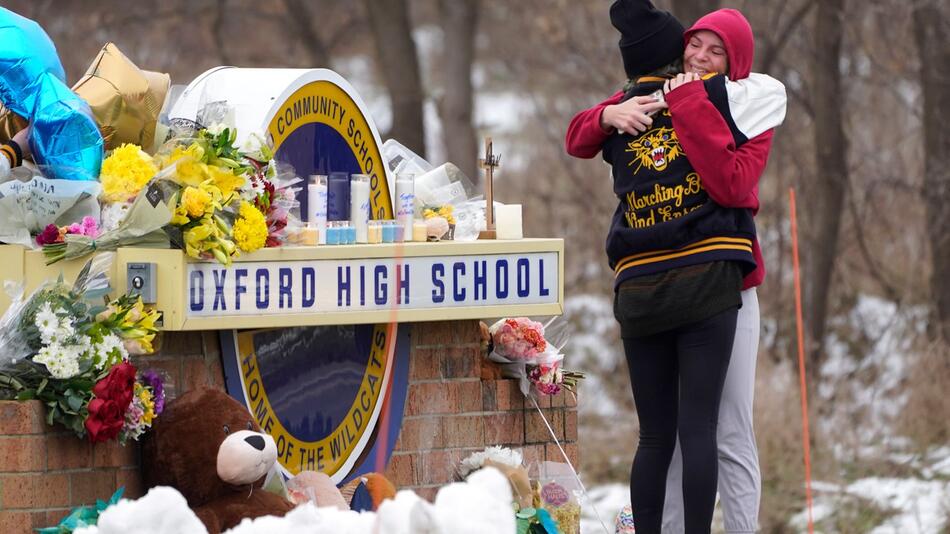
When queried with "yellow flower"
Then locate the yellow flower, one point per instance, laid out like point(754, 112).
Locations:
point(250, 230)
point(193, 152)
point(180, 217)
point(148, 404)
point(225, 180)
point(125, 172)
point(196, 201)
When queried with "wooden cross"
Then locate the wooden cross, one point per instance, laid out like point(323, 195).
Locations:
point(490, 162)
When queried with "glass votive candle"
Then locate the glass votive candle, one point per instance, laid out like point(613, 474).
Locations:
point(350, 233)
point(389, 231)
point(374, 232)
point(400, 232)
point(419, 230)
point(333, 232)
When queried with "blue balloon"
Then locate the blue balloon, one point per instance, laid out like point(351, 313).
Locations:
point(65, 139)
point(26, 53)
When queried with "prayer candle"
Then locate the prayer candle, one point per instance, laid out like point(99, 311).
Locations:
point(405, 201)
point(359, 205)
point(419, 230)
point(338, 196)
point(317, 205)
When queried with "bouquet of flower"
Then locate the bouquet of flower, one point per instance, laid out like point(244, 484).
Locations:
point(519, 346)
point(53, 234)
point(271, 191)
point(71, 355)
point(439, 221)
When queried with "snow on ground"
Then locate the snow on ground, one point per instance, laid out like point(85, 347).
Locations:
point(608, 499)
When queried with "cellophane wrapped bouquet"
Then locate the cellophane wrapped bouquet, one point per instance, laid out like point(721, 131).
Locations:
point(519, 345)
point(73, 355)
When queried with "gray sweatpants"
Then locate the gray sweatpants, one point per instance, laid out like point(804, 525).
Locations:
point(740, 485)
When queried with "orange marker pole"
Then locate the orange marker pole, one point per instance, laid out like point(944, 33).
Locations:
point(801, 360)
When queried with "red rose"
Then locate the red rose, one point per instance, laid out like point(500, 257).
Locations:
point(113, 394)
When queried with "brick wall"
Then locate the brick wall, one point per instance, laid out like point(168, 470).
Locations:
point(457, 404)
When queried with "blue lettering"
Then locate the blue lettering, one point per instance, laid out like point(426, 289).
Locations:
point(524, 281)
point(381, 290)
point(543, 291)
point(239, 287)
point(197, 290)
point(342, 285)
point(438, 294)
point(362, 285)
point(402, 284)
point(481, 279)
point(285, 288)
point(309, 287)
point(263, 289)
point(219, 289)
point(458, 292)
point(501, 279)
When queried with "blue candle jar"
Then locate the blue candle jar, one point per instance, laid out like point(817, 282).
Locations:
point(350, 230)
point(389, 231)
point(333, 233)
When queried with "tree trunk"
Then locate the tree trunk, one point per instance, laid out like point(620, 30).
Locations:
point(689, 11)
point(459, 22)
point(399, 65)
point(299, 16)
point(931, 20)
point(826, 198)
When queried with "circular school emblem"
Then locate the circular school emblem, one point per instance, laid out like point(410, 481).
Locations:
point(332, 396)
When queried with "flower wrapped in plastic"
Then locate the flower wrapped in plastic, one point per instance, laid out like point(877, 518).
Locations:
point(141, 226)
point(69, 353)
point(519, 346)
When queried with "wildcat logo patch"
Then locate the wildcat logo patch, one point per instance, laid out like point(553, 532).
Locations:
point(655, 149)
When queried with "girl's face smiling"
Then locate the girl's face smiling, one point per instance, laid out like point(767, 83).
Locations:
point(705, 53)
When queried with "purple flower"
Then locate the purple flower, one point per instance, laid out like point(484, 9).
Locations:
point(49, 235)
point(154, 381)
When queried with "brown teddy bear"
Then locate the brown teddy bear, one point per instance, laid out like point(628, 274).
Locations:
point(207, 446)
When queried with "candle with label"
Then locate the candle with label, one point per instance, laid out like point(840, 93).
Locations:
point(405, 201)
point(317, 206)
point(359, 205)
point(338, 196)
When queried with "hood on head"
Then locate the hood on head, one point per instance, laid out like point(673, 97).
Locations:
point(732, 27)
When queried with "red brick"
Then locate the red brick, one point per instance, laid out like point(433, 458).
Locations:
point(112, 454)
point(401, 470)
point(433, 334)
point(52, 490)
point(17, 492)
point(211, 343)
point(66, 451)
point(535, 431)
point(215, 372)
point(461, 362)
point(187, 343)
point(508, 395)
point(489, 371)
point(432, 398)
point(131, 480)
point(553, 454)
point(439, 467)
point(421, 433)
point(464, 431)
point(19, 454)
point(504, 428)
point(570, 425)
point(85, 487)
point(469, 396)
point(16, 522)
point(22, 417)
point(424, 364)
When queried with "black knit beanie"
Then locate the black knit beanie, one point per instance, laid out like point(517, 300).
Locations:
point(649, 38)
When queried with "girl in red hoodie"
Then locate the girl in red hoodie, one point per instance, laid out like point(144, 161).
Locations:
point(727, 140)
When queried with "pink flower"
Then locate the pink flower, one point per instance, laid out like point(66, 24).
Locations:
point(49, 236)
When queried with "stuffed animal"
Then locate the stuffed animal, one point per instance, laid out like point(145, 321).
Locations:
point(208, 447)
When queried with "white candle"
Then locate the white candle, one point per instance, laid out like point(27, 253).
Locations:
point(508, 221)
point(359, 206)
point(405, 201)
point(317, 205)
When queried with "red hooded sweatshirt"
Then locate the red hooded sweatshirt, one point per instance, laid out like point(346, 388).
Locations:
point(729, 174)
